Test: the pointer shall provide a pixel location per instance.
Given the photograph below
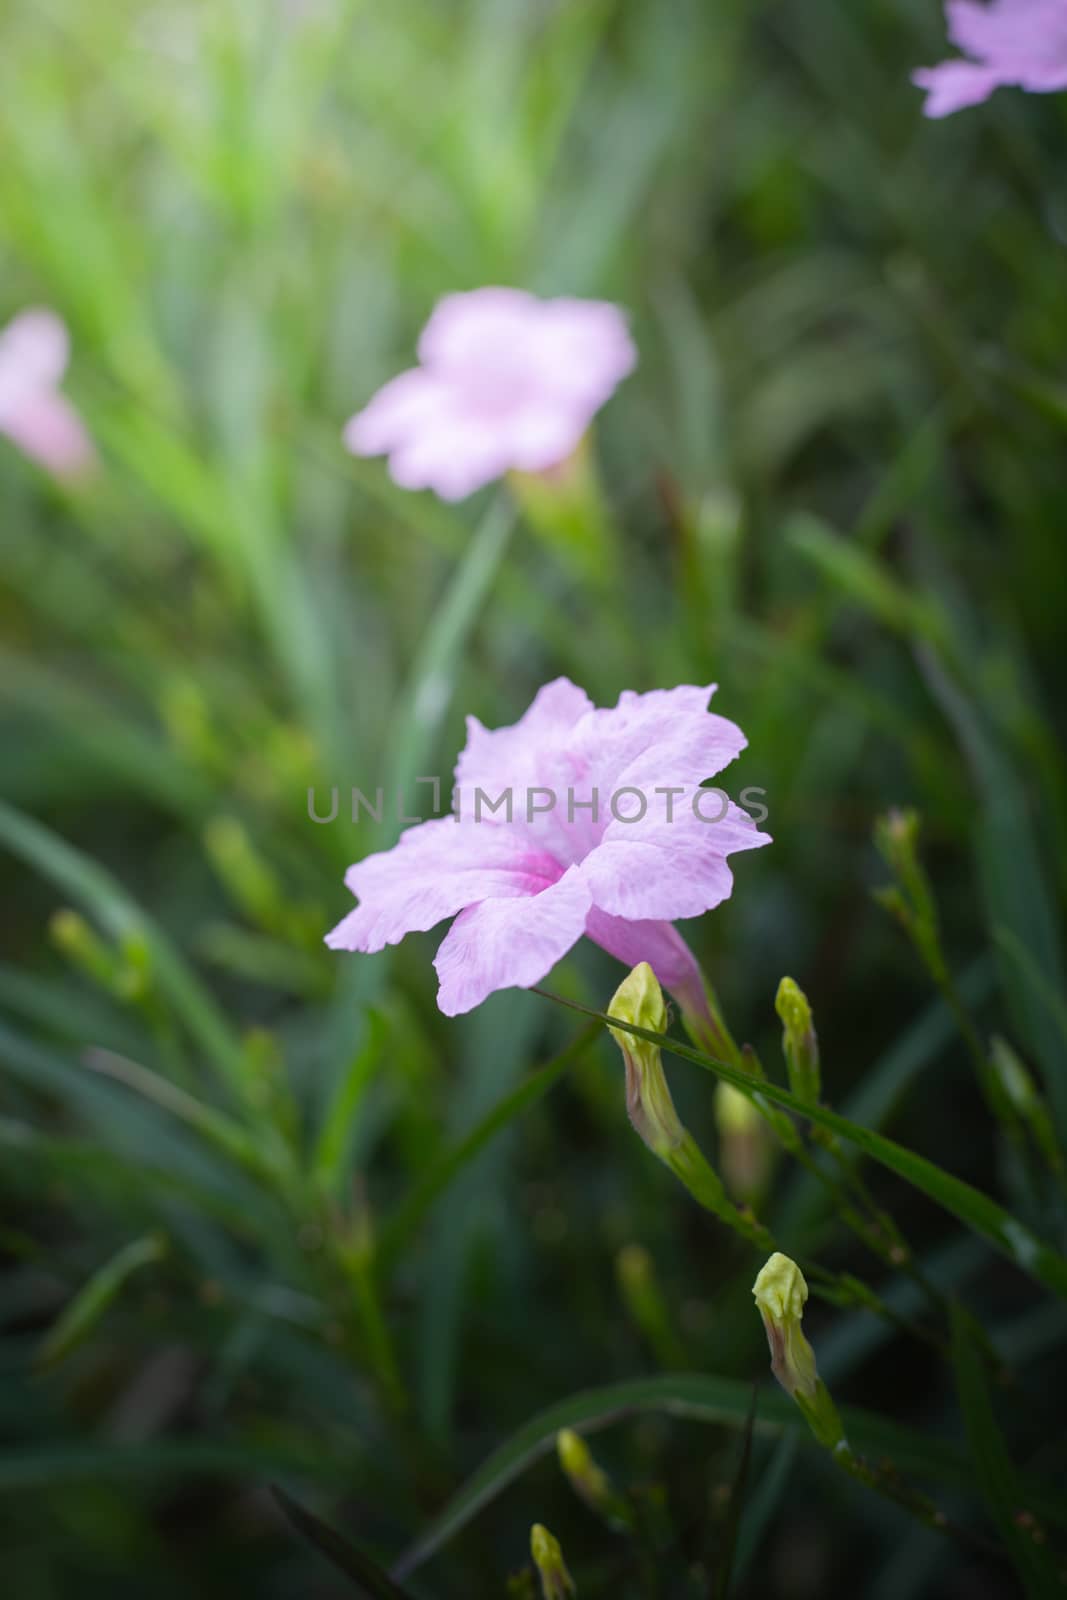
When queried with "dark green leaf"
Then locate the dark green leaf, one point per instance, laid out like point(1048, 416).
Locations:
point(369, 1578)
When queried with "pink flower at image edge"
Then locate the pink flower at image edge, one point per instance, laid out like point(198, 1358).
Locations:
point(35, 416)
point(523, 892)
point(1012, 44)
point(506, 382)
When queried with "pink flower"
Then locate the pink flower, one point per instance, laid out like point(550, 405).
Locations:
point(506, 381)
point(1012, 42)
point(34, 349)
point(565, 861)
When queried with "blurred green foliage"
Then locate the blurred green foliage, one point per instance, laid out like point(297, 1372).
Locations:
point(369, 1245)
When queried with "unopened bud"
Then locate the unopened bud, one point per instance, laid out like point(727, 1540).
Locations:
point(83, 946)
point(799, 1043)
point(556, 1581)
point(586, 1478)
point(1016, 1086)
point(245, 874)
point(1013, 1077)
point(122, 970)
point(780, 1292)
point(745, 1148)
point(639, 1001)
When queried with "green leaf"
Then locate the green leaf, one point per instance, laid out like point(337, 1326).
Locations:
point(722, 1401)
point(97, 891)
point(1005, 1495)
point(369, 1578)
point(969, 1205)
point(429, 691)
point(1014, 881)
point(721, 1586)
point(764, 1503)
point(81, 1315)
point(398, 1231)
point(331, 1159)
point(859, 576)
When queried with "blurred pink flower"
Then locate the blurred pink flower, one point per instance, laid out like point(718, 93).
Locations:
point(528, 880)
point(506, 381)
point(34, 349)
point(1020, 43)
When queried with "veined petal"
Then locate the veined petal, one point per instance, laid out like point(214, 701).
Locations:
point(658, 943)
point(437, 869)
point(656, 869)
point(509, 944)
point(527, 751)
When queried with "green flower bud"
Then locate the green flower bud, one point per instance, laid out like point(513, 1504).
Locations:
point(639, 1001)
point(556, 1581)
point(1017, 1098)
point(586, 1478)
point(799, 1043)
point(1013, 1077)
point(780, 1292)
point(745, 1145)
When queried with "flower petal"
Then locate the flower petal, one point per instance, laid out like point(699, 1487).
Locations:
point(667, 736)
point(656, 869)
point(465, 330)
point(658, 943)
point(527, 751)
point(46, 427)
point(437, 869)
point(406, 404)
point(34, 351)
point(953, 85)
point(509, 944)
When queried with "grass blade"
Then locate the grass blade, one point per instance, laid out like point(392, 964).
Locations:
point(81, 1315)
point(398, 1231)
point(720, 1588)
point(703, 1398)
point(1005, 1497)
point(369, 1578)
point(93, 887)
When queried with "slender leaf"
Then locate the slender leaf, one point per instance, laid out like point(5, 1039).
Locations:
point(369, 1578)
point(721, 1585)
point(1005, 1496)
point(81, 1315)
point(398, 1231)
point(703, 1398)
point(94, 888)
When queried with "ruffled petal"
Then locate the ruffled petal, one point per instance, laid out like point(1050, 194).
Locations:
point(509, 944)
point(526, 752)
point(655, 869)
point(437, 869)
